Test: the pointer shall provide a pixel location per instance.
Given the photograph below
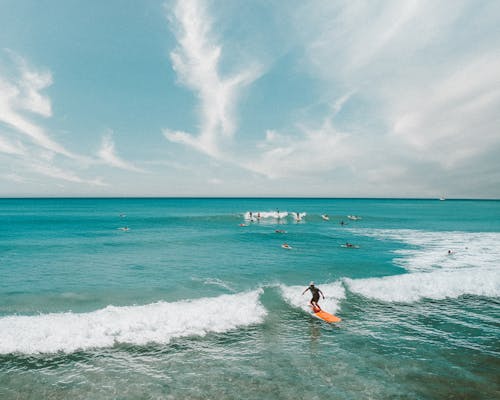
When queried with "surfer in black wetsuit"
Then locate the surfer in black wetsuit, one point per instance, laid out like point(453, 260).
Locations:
point(315, 296)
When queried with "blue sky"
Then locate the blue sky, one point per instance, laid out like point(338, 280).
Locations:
point(238, 98)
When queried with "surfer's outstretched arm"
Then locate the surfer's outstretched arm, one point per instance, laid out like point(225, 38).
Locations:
point(321, 293)
point(305, 291)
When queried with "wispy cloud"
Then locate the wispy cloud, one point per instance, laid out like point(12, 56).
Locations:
point(425, 76)
point(107, 154)
point(420, 66)
point(55, 172)
point(311, 150)
point(9, 147)
point(24, 136)
point(12, 177)
point(196, 62)
point(21, 95)
point(455, 117)
point(30, 147)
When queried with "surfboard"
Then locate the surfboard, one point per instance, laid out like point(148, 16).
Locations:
point(286, 246)
point(325, 316)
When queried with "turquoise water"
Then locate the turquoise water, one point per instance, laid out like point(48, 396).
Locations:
point(195, 300)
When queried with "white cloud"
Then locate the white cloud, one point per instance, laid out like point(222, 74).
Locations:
point(108, 154)
point(425, 76)
point(20, 95)
point(196, 62)
point(55, 172)
point(313, 151)
point(215, 181)
point(13, 178)
point(454, 118)
point(9, 147)
point(30, 85)
point(26, 139)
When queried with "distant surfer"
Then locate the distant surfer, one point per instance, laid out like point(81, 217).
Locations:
point(315, 296)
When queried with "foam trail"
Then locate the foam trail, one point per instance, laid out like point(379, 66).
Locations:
point(159, 323)
point(334, 294)
point(437, 285)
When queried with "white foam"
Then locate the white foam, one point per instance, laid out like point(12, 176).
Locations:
point(159, 323)
point(265, 215)
point(430, 252)
point(437, 285)
point(334, 294)
point(218, 282)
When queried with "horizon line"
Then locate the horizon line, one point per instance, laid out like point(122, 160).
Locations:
point(246, 197)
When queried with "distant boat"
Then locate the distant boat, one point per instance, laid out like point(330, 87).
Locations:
point(442, 199)
point(354, 217)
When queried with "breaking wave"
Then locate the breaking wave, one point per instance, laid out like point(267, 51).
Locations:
point(440, 265)
point(153, 323)
point(438, 285)
point(429, 251)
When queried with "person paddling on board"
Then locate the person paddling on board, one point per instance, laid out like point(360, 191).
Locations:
point(315, 296)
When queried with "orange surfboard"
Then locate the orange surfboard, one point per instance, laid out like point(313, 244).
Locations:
point(325, 316)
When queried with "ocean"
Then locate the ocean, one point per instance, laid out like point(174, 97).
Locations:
point(193, 298)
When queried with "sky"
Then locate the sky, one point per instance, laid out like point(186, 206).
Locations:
point(250, 98)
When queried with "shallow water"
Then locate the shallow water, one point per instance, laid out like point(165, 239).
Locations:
point(187, 303)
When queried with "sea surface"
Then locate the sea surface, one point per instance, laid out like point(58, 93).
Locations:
point(197, 299)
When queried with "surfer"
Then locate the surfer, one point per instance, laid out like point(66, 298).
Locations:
point(315, 296)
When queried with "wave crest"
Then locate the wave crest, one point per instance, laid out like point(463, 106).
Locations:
point(159, 323)
point(438, 285)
